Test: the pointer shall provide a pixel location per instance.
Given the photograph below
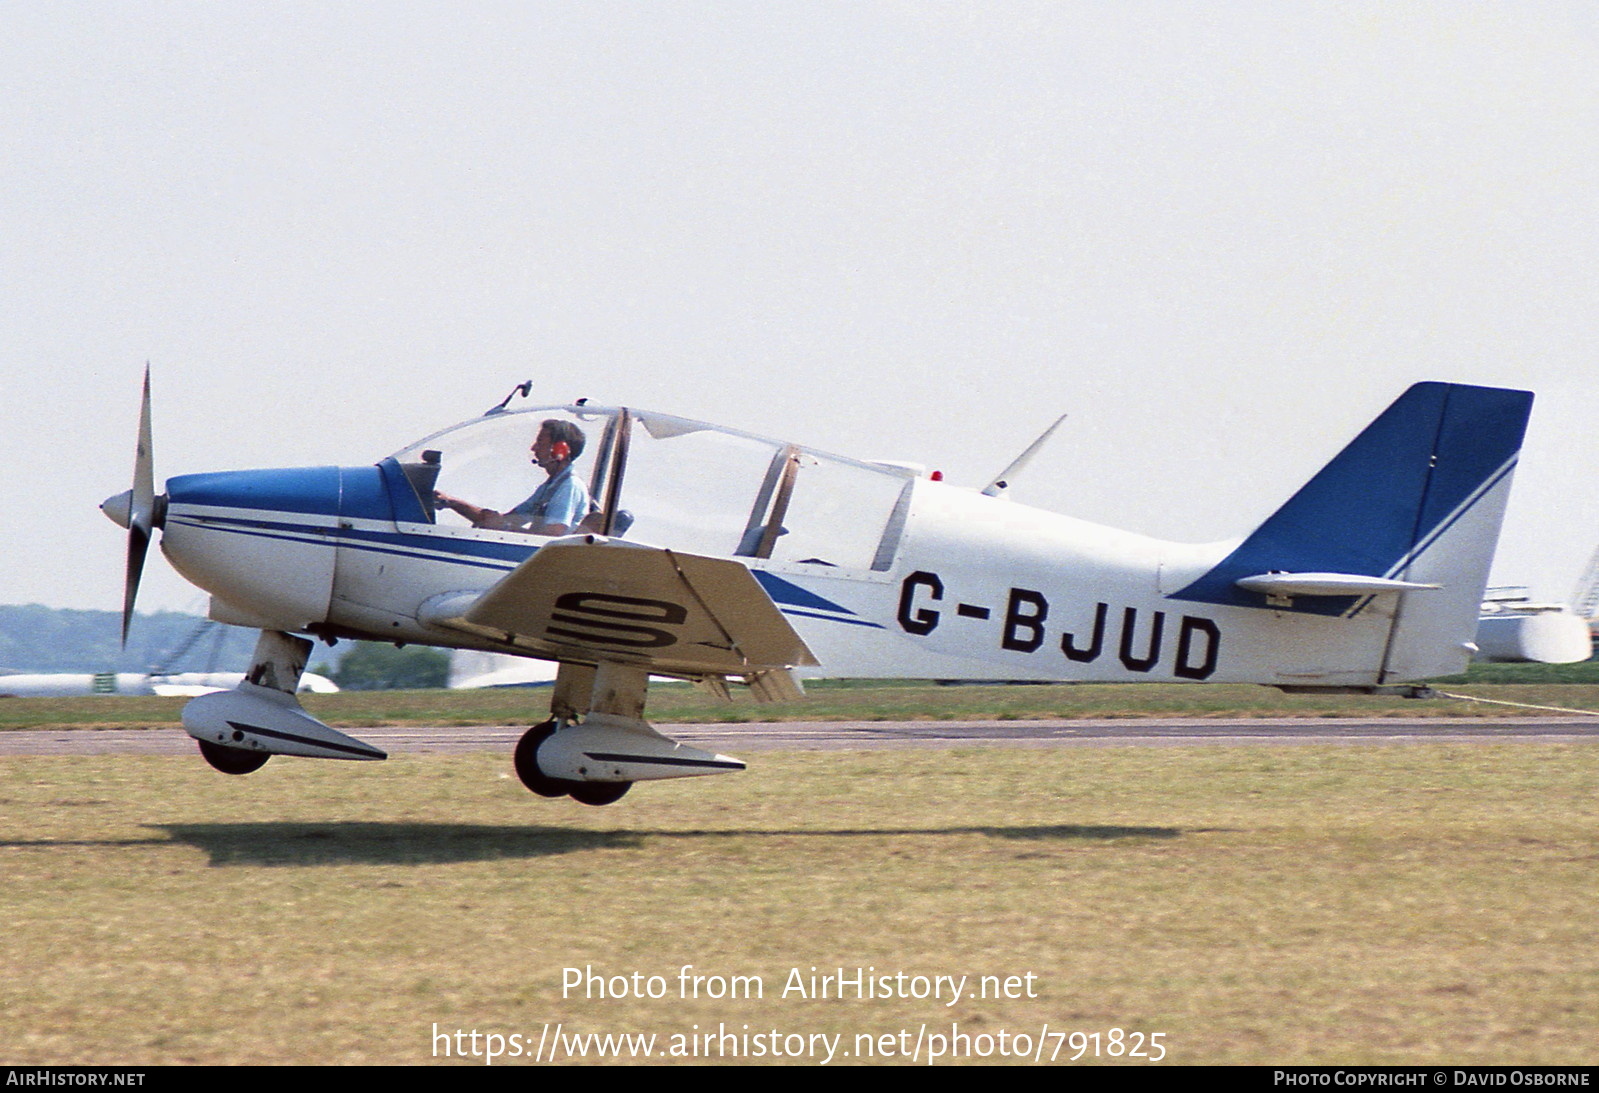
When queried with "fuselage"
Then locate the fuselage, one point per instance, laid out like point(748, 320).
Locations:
point(907, 577)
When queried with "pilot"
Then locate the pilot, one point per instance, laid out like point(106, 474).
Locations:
point(556, 507)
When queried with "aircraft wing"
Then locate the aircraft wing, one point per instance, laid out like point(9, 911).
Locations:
point(680, 614)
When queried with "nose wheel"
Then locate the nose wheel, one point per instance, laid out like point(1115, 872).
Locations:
point(526, 761)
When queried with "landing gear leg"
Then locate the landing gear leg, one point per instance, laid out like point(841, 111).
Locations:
point(279, 661)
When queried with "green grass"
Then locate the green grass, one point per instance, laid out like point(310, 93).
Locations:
point(843, 701)
point(1584, 672)
point(1373, 904)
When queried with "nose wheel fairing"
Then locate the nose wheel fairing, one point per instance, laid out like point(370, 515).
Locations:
point(262, 717)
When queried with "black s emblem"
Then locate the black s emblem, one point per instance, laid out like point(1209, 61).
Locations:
point(602, 619)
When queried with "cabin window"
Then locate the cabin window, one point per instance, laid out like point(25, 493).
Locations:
point(490, 463)
point(841, 514)
point(666, 481)
point(691, 487)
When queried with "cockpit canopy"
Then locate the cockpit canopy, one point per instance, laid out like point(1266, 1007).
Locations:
point(671, 482)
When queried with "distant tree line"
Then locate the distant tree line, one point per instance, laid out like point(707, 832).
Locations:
point(370, 666)
point(45, 639)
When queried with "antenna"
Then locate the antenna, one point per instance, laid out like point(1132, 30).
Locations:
point(520, 389)
point(1002, 481)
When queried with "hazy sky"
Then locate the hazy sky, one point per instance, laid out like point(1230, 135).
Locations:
point(1221, 236)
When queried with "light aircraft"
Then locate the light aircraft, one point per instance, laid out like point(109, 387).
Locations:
point(162, 679)
point(166, 684)
point(713, 555)
point(1512, 629)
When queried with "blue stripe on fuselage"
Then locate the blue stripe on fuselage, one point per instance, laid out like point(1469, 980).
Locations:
point(786, 592)
point(502, 557)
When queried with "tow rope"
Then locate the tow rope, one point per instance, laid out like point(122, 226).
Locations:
point(1432, 692)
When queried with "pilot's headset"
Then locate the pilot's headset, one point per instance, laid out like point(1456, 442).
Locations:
point(559, 449)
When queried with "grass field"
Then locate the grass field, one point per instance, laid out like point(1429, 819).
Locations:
point(1308, 904)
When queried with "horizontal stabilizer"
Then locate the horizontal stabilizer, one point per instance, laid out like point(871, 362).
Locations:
point(1326, 584)
point(590, 600)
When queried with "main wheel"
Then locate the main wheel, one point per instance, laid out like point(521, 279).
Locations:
point(599, 793)
point(233, 760)
point(526, 761)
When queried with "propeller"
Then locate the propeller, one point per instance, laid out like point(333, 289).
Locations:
point(138, 509)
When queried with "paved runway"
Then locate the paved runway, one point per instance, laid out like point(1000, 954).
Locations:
point(833, 735)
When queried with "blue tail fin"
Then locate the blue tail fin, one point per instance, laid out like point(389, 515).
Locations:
point(1384, 504)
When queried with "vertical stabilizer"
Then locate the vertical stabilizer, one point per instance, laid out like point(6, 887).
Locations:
point(1418, 496)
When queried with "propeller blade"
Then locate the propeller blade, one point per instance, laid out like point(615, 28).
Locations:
point(141, 510)
point(138, 546)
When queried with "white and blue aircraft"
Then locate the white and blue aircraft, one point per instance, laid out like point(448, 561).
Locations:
point(712, 555)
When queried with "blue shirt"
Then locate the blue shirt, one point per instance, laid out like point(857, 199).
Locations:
point(562, 499)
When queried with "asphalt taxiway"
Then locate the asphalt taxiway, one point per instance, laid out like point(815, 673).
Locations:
point(870, 735)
